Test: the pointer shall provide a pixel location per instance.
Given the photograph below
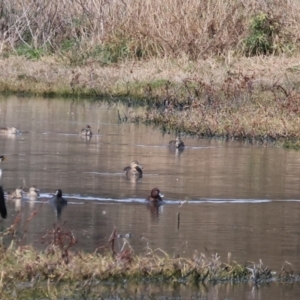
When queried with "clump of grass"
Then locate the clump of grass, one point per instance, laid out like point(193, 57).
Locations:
point(43, 272)
point(59, 264)
point(267, 35)
point(291, 143)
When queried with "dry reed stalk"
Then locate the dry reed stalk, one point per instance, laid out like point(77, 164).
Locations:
point(144, 28)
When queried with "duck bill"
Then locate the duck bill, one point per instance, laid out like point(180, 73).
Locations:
point(161, 195)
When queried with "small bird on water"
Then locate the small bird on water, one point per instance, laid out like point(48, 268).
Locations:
point(87, 131)
point(58, 202)
point(9, 130)
point(155, 196)
point(178, 143)
point(134, 170)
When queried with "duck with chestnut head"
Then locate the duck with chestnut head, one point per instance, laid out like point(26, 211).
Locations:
point(155, 196)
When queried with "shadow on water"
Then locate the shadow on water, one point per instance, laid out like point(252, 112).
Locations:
point(230, 197)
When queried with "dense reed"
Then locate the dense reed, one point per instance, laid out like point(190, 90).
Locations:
point(110, 30)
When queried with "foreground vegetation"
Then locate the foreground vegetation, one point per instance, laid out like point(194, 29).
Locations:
point(206, 68)
point(24, 268)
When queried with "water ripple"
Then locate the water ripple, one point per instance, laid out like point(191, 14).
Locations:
point(176, 202)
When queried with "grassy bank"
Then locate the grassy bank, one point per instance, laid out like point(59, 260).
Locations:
point(206, 68)
point(253, 99)
point(24, 268)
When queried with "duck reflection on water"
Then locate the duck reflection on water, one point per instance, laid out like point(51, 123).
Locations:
point(176, 151)
point(58, 203)
point(155, 209)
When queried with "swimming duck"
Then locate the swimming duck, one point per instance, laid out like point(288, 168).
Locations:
point(87, 131)
point(134, 170)
point(58, 202)
point(3, 210)
point(33, 192)
point(178, 143)
point(18, 193)
point(58, 197)
point(9, 130)
point(155, 196)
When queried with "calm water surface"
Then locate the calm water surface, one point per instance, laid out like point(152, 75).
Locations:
point(241, 199)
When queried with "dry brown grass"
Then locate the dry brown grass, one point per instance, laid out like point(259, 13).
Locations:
point(136, 28)
point(48, 75)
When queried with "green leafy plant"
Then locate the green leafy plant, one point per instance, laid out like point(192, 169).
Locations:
point(264, 31)
point(29, 52)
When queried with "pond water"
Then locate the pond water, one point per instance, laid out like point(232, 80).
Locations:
point(242, 199)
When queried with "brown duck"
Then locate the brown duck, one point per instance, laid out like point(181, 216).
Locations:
point(155, 195)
